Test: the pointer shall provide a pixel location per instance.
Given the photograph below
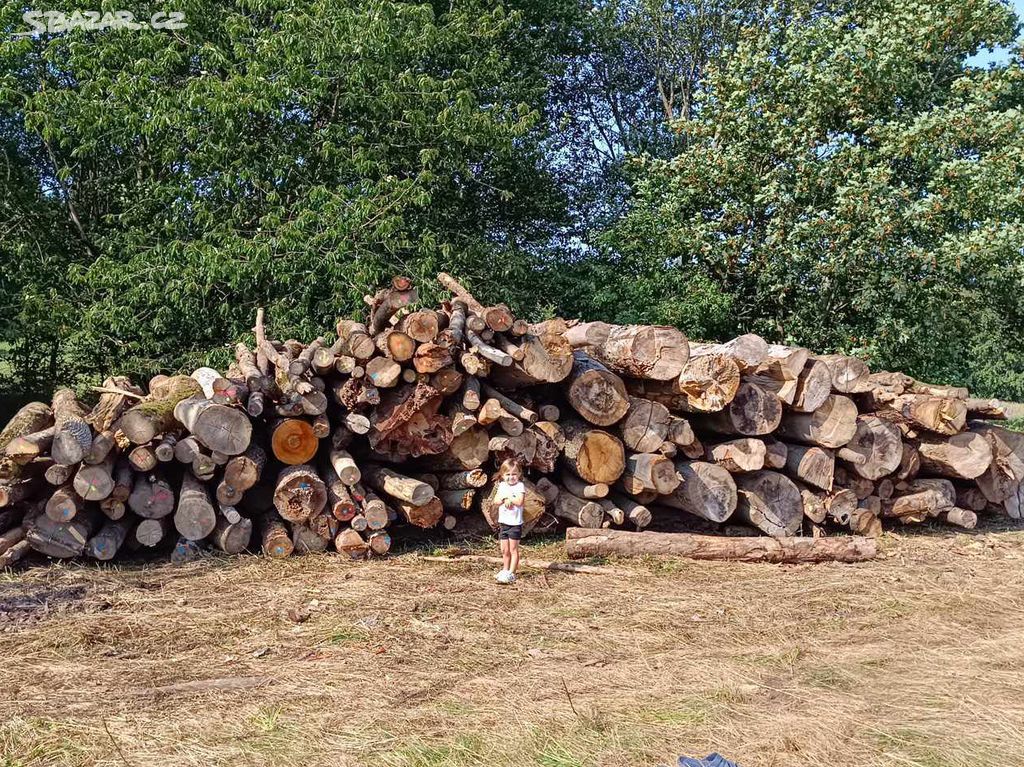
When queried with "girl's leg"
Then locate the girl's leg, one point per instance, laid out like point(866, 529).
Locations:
point(506, 556)
point(513, 551)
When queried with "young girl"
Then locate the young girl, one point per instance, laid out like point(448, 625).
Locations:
point(510, 496)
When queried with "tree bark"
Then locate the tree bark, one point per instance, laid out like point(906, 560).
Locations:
point(195, 517)
point(72, 436)
point(581, 543)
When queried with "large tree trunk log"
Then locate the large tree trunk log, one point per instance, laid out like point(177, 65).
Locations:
point(154, 416)
point(709, 381)
point(707, 491)
point(813, 465)
point(941, 415)
point(749, 351)
point(398, 486)
point(831, 425)
point(73, 436)
point(581, 543)
point(849, 375)
point(921, 498)
point(33, 417)
point(299, 493)
point(962, 456)
point(814, 386)
point(218, 427)
point(752, 412)
point(61, 539)
point(736, 455)
point(195, 517)
point(770, 502)
point(595, 392)
point(654, 352)
point(594, 455)
point(27, 447)
point(875, 448)
point(645, 426)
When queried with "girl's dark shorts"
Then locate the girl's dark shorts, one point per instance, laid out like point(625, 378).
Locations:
point(510, 532)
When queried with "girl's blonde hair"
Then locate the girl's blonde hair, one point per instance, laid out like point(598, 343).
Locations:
point(509, 465)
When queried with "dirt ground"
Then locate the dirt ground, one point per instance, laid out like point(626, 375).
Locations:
point(913, 660)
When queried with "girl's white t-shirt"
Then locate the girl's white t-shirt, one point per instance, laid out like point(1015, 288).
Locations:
point(513, 515)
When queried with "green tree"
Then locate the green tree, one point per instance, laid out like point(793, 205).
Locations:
point(285, 153)
point(847, 182)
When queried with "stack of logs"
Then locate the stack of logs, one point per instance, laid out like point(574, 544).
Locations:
point(399, 422)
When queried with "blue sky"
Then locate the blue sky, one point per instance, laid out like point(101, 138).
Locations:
point(1001, 54)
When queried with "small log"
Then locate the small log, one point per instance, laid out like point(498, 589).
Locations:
point(581, 489)
point(383, 372)
point(293, 441)
point(421, 326)
point(241, 473)
point(652, 472)
point(96, 482)
point(395, 344)
point(232, 537)
point(357, 339)
point(195, 517)
point(581, 543)
point(547, 357)
point(100, 448)
point(27, 447)
point(150, 532)
point(960, 518)
point(400, 487)
point(379, 542)
point(299, 493)
point(350, 542)
point(148, 419)
point(849, 375)
point(737, 455)
point(345, 467)
point(164, 450)
point(577, 511)
point(105, 544)
point(151, 497)
point(275, 540)
point(59, 473)
point(31, 418)
point(426, 514)
point(457, 500)
point(142, 458)
point(431, 358)
point(64, 504)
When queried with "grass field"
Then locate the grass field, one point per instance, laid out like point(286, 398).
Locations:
point(913, 660)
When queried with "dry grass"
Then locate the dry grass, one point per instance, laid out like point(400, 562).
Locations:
point(914, 660)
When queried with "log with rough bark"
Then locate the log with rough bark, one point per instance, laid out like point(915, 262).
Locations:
point(398, 486)
point(942, 415)
point(241, 473)
point(351, 543)
point(62, 540)
point(770, 502)
point(194, 517)
point(706, 490)
point(232, 537)
point(577, 511)
point(27, 447)
point(72, 435)
point(155, 415)
point(276, 542)
point(581, 543)
point(33, 417)
point(105, 544)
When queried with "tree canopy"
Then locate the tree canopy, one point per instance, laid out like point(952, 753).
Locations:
point(830, 174)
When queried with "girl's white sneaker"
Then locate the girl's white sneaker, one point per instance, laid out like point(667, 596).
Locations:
point(503, 576)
